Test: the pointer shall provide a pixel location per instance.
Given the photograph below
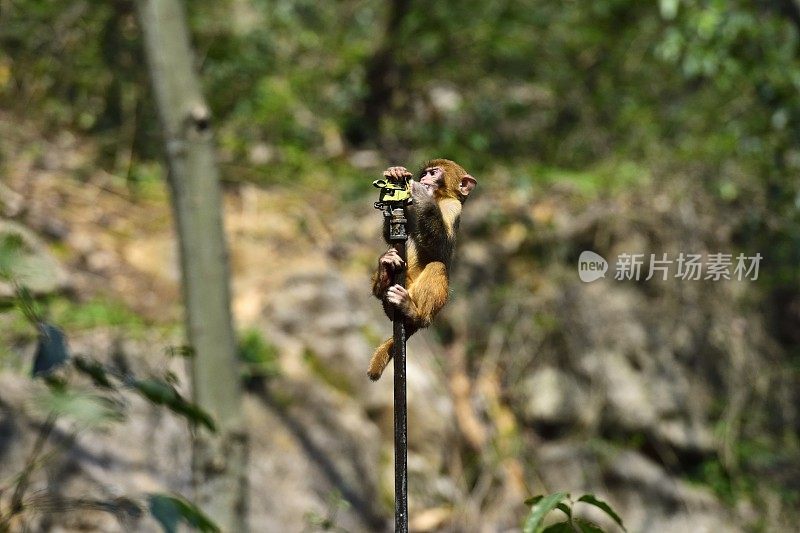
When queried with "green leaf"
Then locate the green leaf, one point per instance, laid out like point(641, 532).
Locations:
point(533, 524)
point(584, 526)
point(561, 527)
point(94, 370)
point(163, 393)
point(184, 350)
point(82, 407)
point(591, 499)
point(194, 413)
point(156, 391)
point(51, 352)
point(259, 355)
point(11, 244)
point(170, 510)
point(165, 511)
point(27, 304)
point(563, 507)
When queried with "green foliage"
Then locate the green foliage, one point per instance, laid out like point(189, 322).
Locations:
point(83, 407)
point(327, 521)
point(96, 406)
point(569, 88)
point(750, 457)
point(51, 351)
point(30, 308)
point(259, 356)
point(713, 474)
point(591, 499)
point(96, 372)
point(332, 376)
point(604, 178)
point(93, 314)
point(162, 392)
point(744, 118)
point(10, 247)
point(181, 351)
point(74, 71)
point(541, 506)
point(52, 354)
point(172, 510)
point(146, 178)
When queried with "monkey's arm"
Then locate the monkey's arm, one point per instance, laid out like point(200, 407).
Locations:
point(390, 260)
point(424, 297)
point(382, 278)
point(380, 282)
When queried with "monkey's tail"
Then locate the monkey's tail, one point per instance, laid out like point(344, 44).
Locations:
point(381, 358)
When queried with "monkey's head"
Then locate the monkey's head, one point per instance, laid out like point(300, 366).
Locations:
point(442, 178)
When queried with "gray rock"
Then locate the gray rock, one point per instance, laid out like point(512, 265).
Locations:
point(554, 397)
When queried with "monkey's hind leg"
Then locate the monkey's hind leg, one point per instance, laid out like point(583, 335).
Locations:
point(381, 357)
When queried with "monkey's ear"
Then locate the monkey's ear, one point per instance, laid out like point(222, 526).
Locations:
point(467, 184)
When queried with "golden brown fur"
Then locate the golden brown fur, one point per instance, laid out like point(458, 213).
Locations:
point(433, 222)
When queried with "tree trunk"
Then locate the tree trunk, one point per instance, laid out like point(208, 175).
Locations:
point(219, 459)
point(383, 76)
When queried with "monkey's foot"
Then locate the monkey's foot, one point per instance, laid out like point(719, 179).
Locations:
point(398, 295)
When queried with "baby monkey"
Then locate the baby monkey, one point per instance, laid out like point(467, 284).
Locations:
point(438, 192)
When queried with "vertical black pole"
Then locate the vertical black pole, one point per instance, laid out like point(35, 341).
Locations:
point(393, 201)
point(400, 411)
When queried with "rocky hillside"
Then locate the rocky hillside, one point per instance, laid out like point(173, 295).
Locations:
point(666, 398)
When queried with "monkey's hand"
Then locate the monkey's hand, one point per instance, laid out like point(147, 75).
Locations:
point(387, 264)
point(391, 259)
point(396, 173)
point(399, 296)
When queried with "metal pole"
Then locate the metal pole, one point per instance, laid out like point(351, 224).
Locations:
point(400, 410)
point(393, 201)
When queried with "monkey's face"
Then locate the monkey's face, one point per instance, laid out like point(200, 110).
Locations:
point(431, 179)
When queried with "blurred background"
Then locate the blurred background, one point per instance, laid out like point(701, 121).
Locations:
point(615, 126)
